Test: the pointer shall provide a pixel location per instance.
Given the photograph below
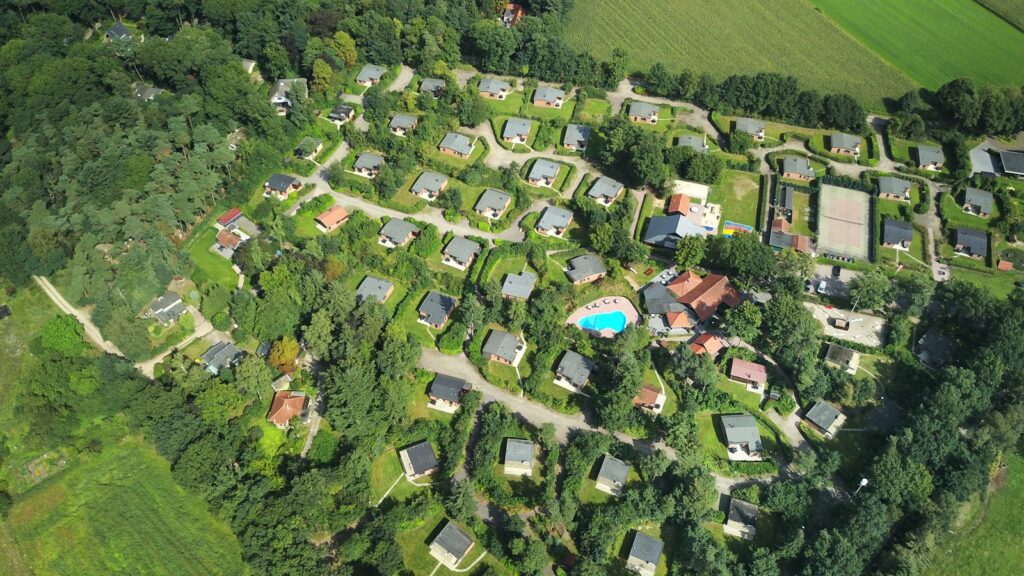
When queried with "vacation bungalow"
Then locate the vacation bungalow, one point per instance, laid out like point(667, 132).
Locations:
point(667, 231)
point(897, 234)
point(451, 545)
point(751, 374)
point(893, 188)
point(503, 348)
point(228, 242)
point(460, 253)
point(573, 371)
point(280, 186)
point(288, 404)
point(429, 185)
point(516, 131)
point(605, 190)
point(842, 358)
point(576, 137)
point(696, 143)
point(402, 124)
point(978, 202)
point(229, 218)
point(742, 438)
point(286, 91)
point(643, 112)
point(543, 173)
point(797, 168)
point(446, 393)
point(436, 309)
point(341, 114)
point(494, 88)
point(753, 127)
point(585, 269)
point(492, 204)
point(308, 148)
point(418, 460)
point(166, 309)
point(118, 32)
point(1013, 163)
point(741, 522)
point(146, 93)
point(397, 232)
point(370, 74)
point(553, 221)
point(374, 288)
point(330, 220)
point(368, 164)
point(518, 286)
point(650, 399)
point(644, 554)
point(844, 144)
point(972, 243)
point(611, 478)
point(433, 87)
point(930, 158)
point(455, 144)
point(825, 417)
point(518, 459)
point(221, 355)
point(707, 343)
point(548, 97)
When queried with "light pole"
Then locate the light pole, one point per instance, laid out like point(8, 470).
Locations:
point(863, 483)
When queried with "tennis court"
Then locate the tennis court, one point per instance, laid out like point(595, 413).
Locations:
point(843, 227)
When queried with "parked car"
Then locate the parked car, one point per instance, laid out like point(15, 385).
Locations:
point(822, 287)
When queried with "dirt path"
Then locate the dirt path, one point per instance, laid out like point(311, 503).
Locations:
point(91, 331)
point(402, 80)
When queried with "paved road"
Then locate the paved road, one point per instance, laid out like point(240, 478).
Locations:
point(314, 426)
point(402, 80)
point(91, 331)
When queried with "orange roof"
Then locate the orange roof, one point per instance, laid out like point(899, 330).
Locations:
point(780, 225)
point(228, 240)
point(678, 319)
point(803, 244)
point(707, 344)
point(678, 204)
point(713, 291)
point(334, 216)
point(229, 216)
point(647, 397)
point(684, 283)
point(286, 405)
point(749, 371)
point(1005, 265)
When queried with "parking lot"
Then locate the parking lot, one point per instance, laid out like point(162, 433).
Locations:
point(834, 286)
point(863, 328)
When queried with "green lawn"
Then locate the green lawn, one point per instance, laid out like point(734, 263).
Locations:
point(974, 42)
point(737, 37)
point(646, 211)
point(451, 162)
point(120, 512)
point(738, 193)
point(953, 213)
point(802, 214)
point(209, 266)
point(594, 111)
point(510, 106)
point(1011, 10)
point(544, 113)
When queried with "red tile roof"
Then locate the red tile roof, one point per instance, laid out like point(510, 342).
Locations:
point(678, 204)
point(705, 298)
point(707, 344)
point(286, 405)
point(228, 240)
point(684, 283)
point(229, 216)
point(780, 225)
point(1005, 265)
point(679, 319)
point(803, 244)
point(748, 371)
point(648, 396)
point(334, 216)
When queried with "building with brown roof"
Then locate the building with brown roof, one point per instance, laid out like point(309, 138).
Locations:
point(678, 204)
point(330, 220)
point(650, 399)
point(287, 404)
point(707, 344)
point(704, 295)
point(229, 239)
point(752, 374)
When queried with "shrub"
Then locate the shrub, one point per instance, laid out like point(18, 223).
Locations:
point(221, 321)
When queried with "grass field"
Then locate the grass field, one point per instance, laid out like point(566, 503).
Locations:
point(738, 194)
point(734, 37)
point(993, 547)
point(120, 512)
point(1010, 10)
point(802, 214)
point(934, 41)
point(209, 266)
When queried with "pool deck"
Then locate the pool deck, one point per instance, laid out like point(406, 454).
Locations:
point(602, 305)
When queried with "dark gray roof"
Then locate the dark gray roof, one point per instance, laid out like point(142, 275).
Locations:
point(421, 457)
point(983, 160)
point(279, 182)
point(403, 121)
point(584, 266)
point(895, 186)
point(220, 356)
point(659, 299)
point(666, 231)
point(605, 187)
point(842, 140)
point(119, 31)
point(787, 197)
point(368, 160)
point(930, 155)
point(840, 355)
point(283, 88)
point(518, 450)
point(397, 230)
point(516, 127)
point(167, 307)
point(974, 241)
point(613, 469)
point(493, 85)
point(896, 231)
point(519, 285)
point(492, 199)
point(448, 387)
point(462, 249)
point(432, 85)
point(143, 92)
point(370, 72)
point(823, 414)
point(749, 125)
point(453, 540)
point(575, 368)
point(548, 94)
point(742, 512)
point(374, 288)
point(797, 164)
point(980, 198)
point(431, 181)
point(780, 239)
point(695, 142)
point(643, 109)
point(544, 169)
point(501, 344)
point(458, 142)
point(341, 112)
point(576, 135)
point(436, 307)
point(646, 548)
point(1013, 162)
point(554, 217)
point(741, 429)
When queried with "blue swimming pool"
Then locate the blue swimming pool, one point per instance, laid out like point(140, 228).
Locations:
point(614, 321)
